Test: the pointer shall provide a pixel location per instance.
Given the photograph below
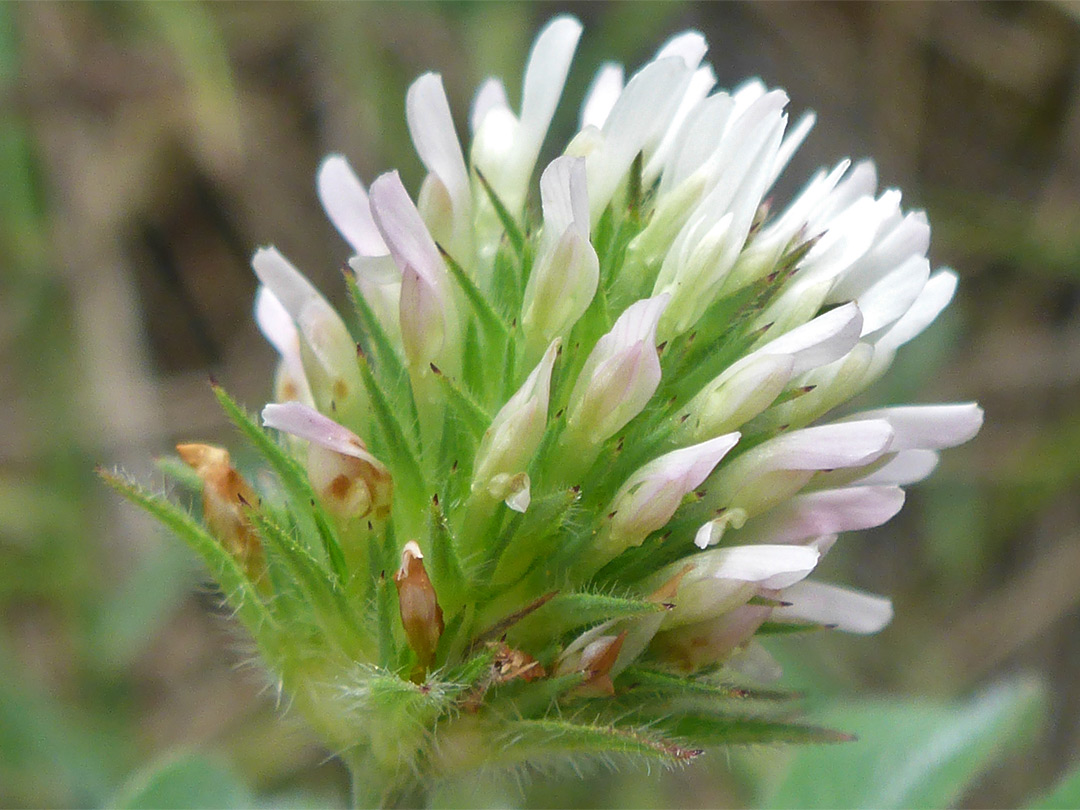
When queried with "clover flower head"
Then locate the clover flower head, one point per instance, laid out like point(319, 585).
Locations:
point(585, 411)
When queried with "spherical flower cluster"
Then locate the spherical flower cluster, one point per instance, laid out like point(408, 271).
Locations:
point(573, 453)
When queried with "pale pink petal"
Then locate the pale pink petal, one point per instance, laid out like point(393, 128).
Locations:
point(927, 427)
point(346, 204)
point(651, 495)
point(432, 129)
point(307, 423)
point(427, 311)
point(826, 512)
point(935, 296)
point(905, 468)
point(826, 338)
point(845, 609)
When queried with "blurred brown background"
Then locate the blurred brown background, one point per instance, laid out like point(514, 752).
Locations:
point(147, 149)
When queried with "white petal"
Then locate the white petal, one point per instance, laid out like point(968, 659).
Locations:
point(307, 423)
point(887, 300)
point(640, 115)
point(346, 204)
point(521, 496)
point(701, 82)
point(602, 95)
point(928, 427)
point(769, 566)
point(860, 182)
point(288, 284)
point(432, 129)
point(697, 139)
point(792, 141)
point(508, 444)
point(847, 610)
point(826, 447)
point(827, 512)
point(545, 76)
point(275, 323)
point(826, 338)
point(690, 46)
point(490, 96)
point(909, 237)
point(935, 296)
point(905, 468)
point(564, 196)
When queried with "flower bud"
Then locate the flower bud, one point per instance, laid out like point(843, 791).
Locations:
point(421, 615)
point(328, 350)
point(225, 496)
point(780, 467)
point(595, 661)
point(723, 579)
point(700, 644)
point(565, 275)
point(509, 443)
point(428, 315)
point(619, 376)
point(652, 494)
point(350, 481)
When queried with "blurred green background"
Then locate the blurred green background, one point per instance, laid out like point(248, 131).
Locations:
point(147, 149)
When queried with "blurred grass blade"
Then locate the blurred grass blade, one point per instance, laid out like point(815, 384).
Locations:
point(37, 735)
point(186, 781)
point(910, 754)
point(1065, 794)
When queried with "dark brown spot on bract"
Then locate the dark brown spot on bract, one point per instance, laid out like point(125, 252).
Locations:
point(339, 487)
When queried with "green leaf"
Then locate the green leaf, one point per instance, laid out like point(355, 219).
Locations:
point(444, 567)
point(715, 729)
point(474, 417)
point(401, 454)
point(492, 322)
point(910, 754)
point(238, 589)
point(529, 740)
point(1065, 794)
point(185, 781)
point(174, 468)
point(566, 611)
point(321, 592)
point(664, 683)
point(292, 476)
point(513, 232)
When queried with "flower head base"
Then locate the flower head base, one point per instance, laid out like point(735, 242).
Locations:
point(596, 447)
